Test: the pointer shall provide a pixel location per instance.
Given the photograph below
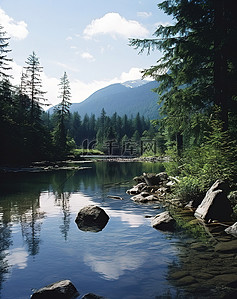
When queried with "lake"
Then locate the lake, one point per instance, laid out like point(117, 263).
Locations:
point(41, 243)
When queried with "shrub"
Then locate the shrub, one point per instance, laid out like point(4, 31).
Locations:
point(201, 166)
point(189, 188)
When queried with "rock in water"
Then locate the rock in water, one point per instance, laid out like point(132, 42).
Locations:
point(163, 221)
point(91, 218)
point(215, 205)
point(63, 289)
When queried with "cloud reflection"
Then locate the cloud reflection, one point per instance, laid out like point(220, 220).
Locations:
point(17, 257)
point(78, 200)
point(111, 267)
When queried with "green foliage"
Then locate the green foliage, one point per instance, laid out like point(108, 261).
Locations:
point(215, 159)
point(31, 86)
point(201, 166)
point(4, 60)
point(148, 154)
point(61, 142)
point(197, 70)
point(190, 188)
point(173, 166)
point(71, 144)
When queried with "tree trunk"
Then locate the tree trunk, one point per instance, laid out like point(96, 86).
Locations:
point(220, 62)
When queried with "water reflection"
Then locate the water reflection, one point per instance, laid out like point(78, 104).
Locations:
point(17, 257)
point(35, 207)
point(111, 267)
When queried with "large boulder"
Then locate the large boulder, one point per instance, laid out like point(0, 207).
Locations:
point(91, 218)
point(232, 230)
point(215, 205)
point(152, 179)
point(163, 221)
point(63, 289)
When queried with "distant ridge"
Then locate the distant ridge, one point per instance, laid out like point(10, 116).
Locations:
point(128, 98)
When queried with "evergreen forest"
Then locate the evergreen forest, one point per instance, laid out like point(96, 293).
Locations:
point(197, 77)
point(29, 133)
point(198, 91)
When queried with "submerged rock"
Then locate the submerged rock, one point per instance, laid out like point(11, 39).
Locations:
point(63, 289)
point(215, 205)
point(163, 221)
point(227, 247)
point(91, 218)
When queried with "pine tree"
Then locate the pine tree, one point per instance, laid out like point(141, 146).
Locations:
point(65, 96)
point(198, 68)
point(4, 60)
point(62, 111)
point(31, 85)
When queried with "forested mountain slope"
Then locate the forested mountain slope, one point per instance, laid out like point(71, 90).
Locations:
point(127, 98)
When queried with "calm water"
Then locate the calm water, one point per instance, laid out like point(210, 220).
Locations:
point(41, 244)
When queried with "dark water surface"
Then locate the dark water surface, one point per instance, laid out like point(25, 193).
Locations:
point(41, 243)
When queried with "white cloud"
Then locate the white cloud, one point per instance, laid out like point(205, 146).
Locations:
point(81, 90)
point(115, 25)
point(50, 85)
point(133, 74)
point(17, 30)
point(87, 56)
point(144, 14)
point(15, 72)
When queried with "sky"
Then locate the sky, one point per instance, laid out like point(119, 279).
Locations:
point(87, 39)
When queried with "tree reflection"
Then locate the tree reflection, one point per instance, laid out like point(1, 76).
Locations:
point(31, 222)
point(5, 242)
point(20, 196)
point(62, 200)
point(63, 182)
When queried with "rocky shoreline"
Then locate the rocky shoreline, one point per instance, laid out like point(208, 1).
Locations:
point(215, 207)
point(208, 264)
point(47, 166)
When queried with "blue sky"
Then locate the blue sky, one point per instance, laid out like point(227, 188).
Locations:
point(87, 39)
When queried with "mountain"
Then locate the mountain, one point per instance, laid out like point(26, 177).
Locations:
point(128, 98)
